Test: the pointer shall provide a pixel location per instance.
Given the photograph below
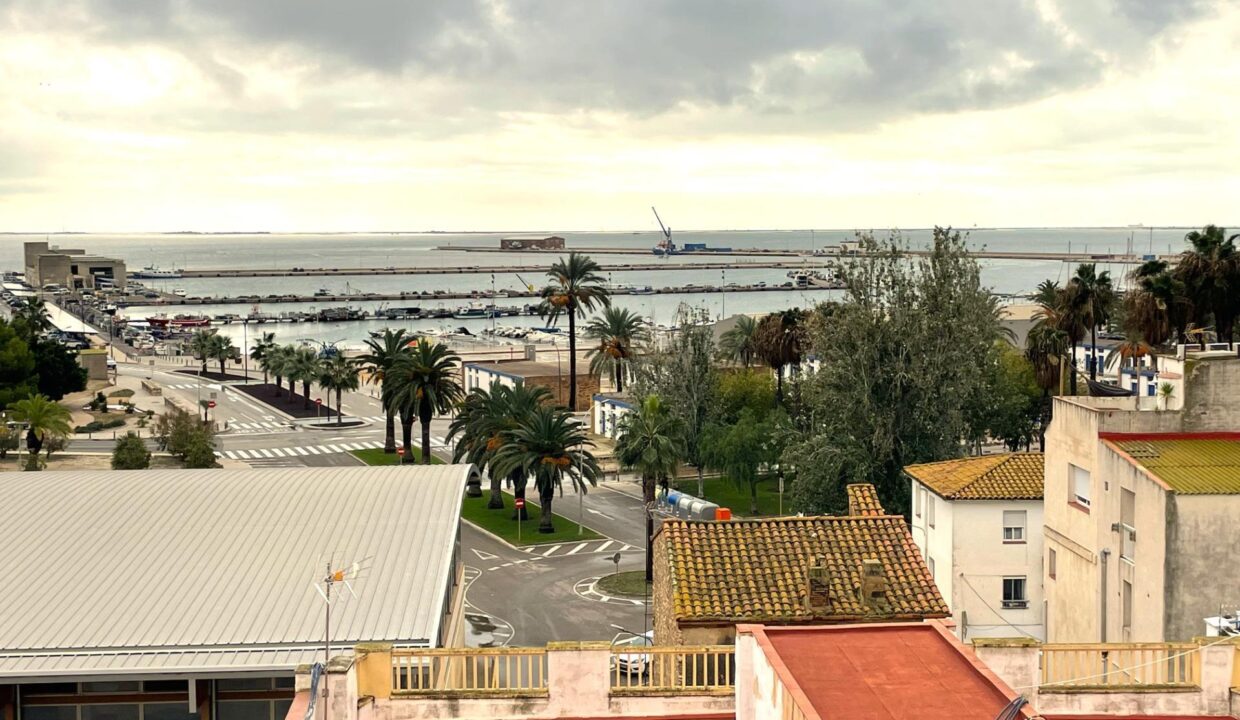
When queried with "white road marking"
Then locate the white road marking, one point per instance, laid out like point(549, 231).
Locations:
point(551, 549)
point(577, 549)
point(604, 546)
point(314, 450)
point(334, 448)
point(301, 451)
point(596, 512)
point(265, 452)
point(482, 555)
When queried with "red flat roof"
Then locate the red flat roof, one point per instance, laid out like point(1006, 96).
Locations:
point(897, 671)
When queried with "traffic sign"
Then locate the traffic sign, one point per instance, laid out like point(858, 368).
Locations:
point(400, 451)
point(210, 403)
point(318, 401)
point(519, 503)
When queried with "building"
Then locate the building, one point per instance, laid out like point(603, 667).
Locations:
point(552, 375)
point(1140, 499)
point(532, 242)
point(978, 523)
point(177, 594)
point(51, 265)
point(606, 412)
point(863, 567)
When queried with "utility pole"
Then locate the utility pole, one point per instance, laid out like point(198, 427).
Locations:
point(327, 639)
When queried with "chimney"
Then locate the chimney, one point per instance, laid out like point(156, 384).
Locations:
point(873, 591)
point(817, 590)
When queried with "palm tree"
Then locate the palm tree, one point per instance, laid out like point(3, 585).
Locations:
point(1044, 347)
point(383, 352)
point(304, 367)
point(778, 340)
point(33, 313)
point(422, 382)
point(276, 361)
point(548, 445)
point(260, 350)
point(1094, 297)
point(485, 422)
point(1157, 307)
point(576, 287)
point(650, 443)
point(337, 373)
point(1210, 271)
point(44, 419)
point(738, 342)
point(618, 332)
point(222, 349)
point(1131, 350)
point(200, 345)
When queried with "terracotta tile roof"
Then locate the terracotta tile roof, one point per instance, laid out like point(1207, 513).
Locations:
point(1009, 476)
point(1200, 465)
point(756, 570)
point(863, 500)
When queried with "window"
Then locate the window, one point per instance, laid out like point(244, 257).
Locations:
point(1050, 563)
point(1014, 526)
point(1127, 525)
point(1014, 593)
point(110, 687)
point(1127, 600)
point(49, 712)
point(929, 509)
point(930, 563)
point(1080, 486)
point(917, 491)
point(110, 712)
point(167, 711)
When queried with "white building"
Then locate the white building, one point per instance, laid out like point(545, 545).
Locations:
point(978, 523)
point(606, 412)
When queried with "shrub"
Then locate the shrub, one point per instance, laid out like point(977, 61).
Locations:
point(97, 425)
point(122, 393)
point(9, 438)
point(199, 454)
point(130, 453)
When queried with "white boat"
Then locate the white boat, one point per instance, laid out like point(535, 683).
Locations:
point(150, 272)
point(179, 292)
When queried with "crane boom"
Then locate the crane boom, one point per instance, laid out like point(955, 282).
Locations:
point(666, 232)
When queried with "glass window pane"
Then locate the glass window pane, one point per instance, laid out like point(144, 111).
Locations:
point(65, 688)
point(49, 712)
point(167, 711)
point(110, 712)
point(164, 686)
point(286, 683)
point(110, 687)
point(245, 710)
point(282, 707)
point(244, 684)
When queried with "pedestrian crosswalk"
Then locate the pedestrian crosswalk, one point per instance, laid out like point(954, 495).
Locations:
point(300, 451)
point(193, 386)
point(583, 548)
point(258, 426)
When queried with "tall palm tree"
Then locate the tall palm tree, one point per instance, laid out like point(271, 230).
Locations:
point(222, 350)
point(549, 445)
point(1131, 350)
point(650, 443)
point(1095, 297)
point(618, 332)
point(576, 288)
point(377, 361)
point(1045, 346)
point(33, 314)
point(485, 422)
point(304, 367)
point(1210, 271)
point(779, 340)
point(200, 344)
point(420, 384)
point(337, 374)
point(275, 360)
point(44, 419)
point(1157, 307)
point(738, 342)
point(260, 349)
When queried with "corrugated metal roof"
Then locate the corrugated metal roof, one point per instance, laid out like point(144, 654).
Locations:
point(1191, 466)
point(155, 662)
point(186, 559)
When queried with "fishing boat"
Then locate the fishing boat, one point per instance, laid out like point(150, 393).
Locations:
point(178, 322)
point(476, 311)
point(151, 272)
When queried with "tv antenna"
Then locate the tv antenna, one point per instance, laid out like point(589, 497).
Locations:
point(667, 246)
point(343, 575)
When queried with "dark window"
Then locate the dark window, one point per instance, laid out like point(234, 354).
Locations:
point(63, 688)
point(165, 686)
point(127, 711)
point(167, 711)
point(118, 686)
point(49, 712)
point(244, 684)
point(1014, 592)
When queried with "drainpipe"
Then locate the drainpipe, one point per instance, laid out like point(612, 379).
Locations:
point(1106, 554)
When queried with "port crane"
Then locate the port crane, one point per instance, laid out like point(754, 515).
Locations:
point(666, 247)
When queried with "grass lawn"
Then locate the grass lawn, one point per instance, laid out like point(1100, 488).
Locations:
point(725, 493)
point(376, 456)
point(500, 522)
point(626, 584)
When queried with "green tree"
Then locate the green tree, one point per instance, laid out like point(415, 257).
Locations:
point(743, 449)
point(617, 333)
point(423, 383)
point(549, 445)
point(130, 453)
point(45, 421)
point(33, 318)
point(752, 390)
point(1008, 406)
point(303, 366)
point(17, 367)
point(177, 431)
point(738, 342)
point(1210, 271)
point(259, 352)
point(377, 361)
point(650, 442)
point(222, 350)
point(58, 369)
point(484, 423)
point(200, 347)
point(1157, 306)
point(1045, 346)
point(576, 288)
point(200, 454)
point(338, 374)
point(684, 376)
point(277, 360)
point(779, 341)
point(1093, 296)
point(9, 439)
point(903, 357)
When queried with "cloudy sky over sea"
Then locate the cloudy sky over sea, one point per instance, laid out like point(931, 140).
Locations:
point(301, 115)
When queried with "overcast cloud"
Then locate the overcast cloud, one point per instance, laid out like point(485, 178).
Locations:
point(318, 114)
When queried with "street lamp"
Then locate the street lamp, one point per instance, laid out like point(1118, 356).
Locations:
point(245, 347)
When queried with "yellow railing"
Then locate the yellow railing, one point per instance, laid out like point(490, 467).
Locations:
point(659, 669)
point(481, 671)
point(1131, 665)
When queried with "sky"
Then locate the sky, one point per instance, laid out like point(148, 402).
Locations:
point(322, 115)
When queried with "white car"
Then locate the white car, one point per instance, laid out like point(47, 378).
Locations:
point(632, 663)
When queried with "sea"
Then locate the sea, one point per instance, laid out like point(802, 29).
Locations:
point(1011, 278)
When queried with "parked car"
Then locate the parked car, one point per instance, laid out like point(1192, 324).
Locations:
point(632, 663)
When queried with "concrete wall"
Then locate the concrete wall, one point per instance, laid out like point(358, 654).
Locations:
point(935, 543)
point(980, 560)
point(666, 631)
point(1202, 540)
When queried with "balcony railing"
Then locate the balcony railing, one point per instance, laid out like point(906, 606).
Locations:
point(475, 671)
point(1130, 665)
point(707, 669)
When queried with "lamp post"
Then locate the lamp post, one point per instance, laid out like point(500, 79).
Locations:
point(245, 347)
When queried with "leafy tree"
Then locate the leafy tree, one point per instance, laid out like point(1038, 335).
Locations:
point(684, 377)
point(904, 356)
point(1009, 404)
point(17, 367)
point(549, 445)
point(33, 318)
point(485, 422)
point(200, 454)
point(618, 332)
point(45, 420)
point(259, 352)
point(9, 439)
point(423, 383)
point(752, 390)
point(1045, 346)
point(338, 374)
point(377, 361)
point(177, 431)
point(742, 449)
point(779, 341)
point(58, 369)
point(650, 442)
point(737, 342)
point(576, 287)
point(130, 453)
point(1210, 272)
